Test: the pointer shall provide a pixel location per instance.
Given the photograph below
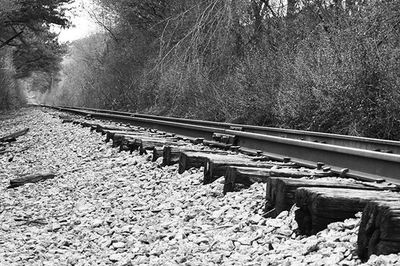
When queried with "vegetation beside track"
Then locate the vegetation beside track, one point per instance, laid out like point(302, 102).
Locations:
point(315, 65)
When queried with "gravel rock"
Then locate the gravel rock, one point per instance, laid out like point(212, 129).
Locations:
point(118, 245)
point(115, 257)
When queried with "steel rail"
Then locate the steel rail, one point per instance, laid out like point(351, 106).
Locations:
point(353, 162)
point(372, 144)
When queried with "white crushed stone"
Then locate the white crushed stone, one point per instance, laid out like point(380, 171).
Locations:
point(110, 208)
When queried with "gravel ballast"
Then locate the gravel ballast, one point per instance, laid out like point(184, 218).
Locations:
point(110, 208)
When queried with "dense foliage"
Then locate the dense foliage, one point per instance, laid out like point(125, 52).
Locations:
point(28, 46)
point(310, 64)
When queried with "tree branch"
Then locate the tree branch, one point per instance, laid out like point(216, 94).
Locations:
point(266, 3)
point(7, 42)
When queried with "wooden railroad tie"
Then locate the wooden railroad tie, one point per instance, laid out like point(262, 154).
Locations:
point(189, 156)
point(216, 144)
point(190, 159)
point(281, 192)
point(259, 173)
point(190, 139)
point(101, 128)
point(30, 179)
point(171, 154)
point(13, 136)
point(150, 143)
point(117, 136)
point(145, 144)
point(157, 153)
point(216, 166)
point(379, 231)
point(320, 206)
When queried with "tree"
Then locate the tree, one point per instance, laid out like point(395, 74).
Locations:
point(28, 46)
point(25, 26)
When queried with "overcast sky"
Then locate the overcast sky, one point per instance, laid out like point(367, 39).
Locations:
point(83, 25)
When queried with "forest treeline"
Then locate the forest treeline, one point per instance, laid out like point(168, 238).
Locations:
point(30, 54)
point(319, 65)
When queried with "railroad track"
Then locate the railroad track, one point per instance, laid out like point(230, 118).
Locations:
point(352, 180)
point(361, 158)
point(372, 144)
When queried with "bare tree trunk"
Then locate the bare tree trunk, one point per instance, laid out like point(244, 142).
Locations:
point(258, 21)
point(235, 28)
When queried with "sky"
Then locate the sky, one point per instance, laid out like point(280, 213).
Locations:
point(83, 25)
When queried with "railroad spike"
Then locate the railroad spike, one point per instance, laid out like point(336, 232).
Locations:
point(344, 172)
point(326, 169)
point(320, 165)
point(287, 159)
